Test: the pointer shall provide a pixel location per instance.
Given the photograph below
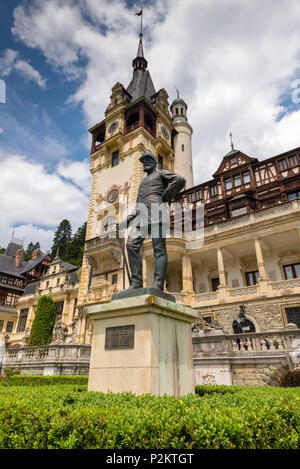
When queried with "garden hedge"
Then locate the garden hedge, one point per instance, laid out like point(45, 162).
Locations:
point(40, 380)
point(67, 416)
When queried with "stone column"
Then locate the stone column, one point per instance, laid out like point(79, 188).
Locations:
point(263, 281)
point(222, 277)
point(144, 263)
point(221, 268)
point(187, 274)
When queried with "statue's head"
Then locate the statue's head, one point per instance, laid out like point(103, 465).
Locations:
point(149, 161)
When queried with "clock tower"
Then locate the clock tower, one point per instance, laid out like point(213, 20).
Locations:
point(136, 119)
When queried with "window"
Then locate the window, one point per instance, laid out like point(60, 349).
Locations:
point(11, 299)
point(59, 306)
point(233, 160)
point(291, 271)
point(207, 319)
point(22, 320)
point(47, 284)
point(176, 111)
point(240, 327)
point(57, 282)
point(213, 190)
point(9, 326)
point(192, 197)
point(182, 147)
point(115, 158)
point(228, 184)
point(293, 161)
point(215, 282)
point(282, 164)
point(114, 279)
point(160, 162)
point(293, 195)
point(1, 325)
point(237, 180)
point(293, 315)
point(246, 177)
point(252, 278)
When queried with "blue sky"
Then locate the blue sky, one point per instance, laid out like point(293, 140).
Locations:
point(235, 63)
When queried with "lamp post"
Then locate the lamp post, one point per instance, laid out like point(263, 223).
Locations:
point(3, 354)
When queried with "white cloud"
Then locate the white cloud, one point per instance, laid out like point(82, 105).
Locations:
point(230, 60)
point(35, 201)
point(78, 172)
point(10, 62)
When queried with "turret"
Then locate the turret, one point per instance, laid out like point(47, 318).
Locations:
point(182, 141)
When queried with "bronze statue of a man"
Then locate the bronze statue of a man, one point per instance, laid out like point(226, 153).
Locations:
point(157, 187)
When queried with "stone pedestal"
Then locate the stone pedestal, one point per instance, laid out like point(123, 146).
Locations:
point(142, 345)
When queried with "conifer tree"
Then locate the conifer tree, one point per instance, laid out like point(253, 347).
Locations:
point(75, 250)
point(62, 239)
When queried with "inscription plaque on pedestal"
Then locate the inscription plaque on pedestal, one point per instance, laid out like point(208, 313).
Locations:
point(119, 337)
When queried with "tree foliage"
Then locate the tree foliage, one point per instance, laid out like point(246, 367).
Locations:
point(42, 326)
point(33, 247)
point(70, 247)
point(62, 239)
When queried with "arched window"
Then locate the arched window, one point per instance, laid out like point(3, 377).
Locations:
point(243, 326)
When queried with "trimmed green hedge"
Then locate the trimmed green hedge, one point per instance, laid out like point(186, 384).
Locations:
point(38, 380)
point(69, 417)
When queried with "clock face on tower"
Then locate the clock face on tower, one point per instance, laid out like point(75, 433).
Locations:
point(165, 132)
point(113, 127)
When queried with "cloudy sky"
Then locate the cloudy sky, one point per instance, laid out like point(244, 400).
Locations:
point(235, 62)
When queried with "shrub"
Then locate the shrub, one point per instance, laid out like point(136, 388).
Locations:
point(9, 371)
point(69, 417)
point(42, 326)
point(33, 380)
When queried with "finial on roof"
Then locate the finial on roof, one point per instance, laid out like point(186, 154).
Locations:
point(140, 13)
point(232, 147)
point(177, 92)
point(57, 252)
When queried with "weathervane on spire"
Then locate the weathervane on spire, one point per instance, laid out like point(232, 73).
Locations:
point(232, 147)
point(140, 13)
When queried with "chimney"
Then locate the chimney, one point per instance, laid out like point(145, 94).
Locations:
point(36, 253)
point(18, 256)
